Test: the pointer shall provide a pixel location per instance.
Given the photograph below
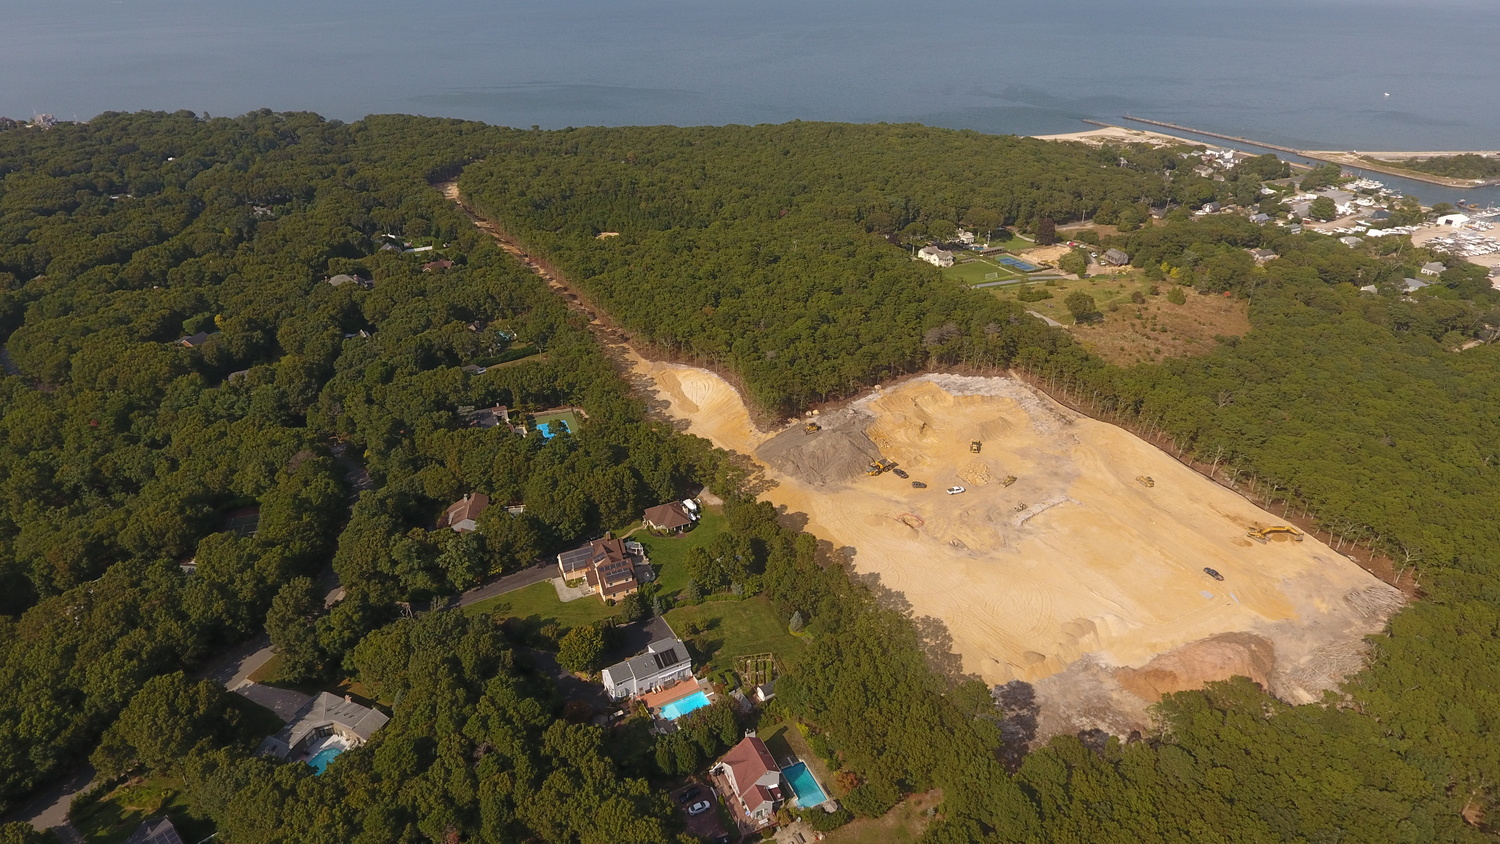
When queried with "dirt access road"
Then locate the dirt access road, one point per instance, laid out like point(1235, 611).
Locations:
point(1094, 589)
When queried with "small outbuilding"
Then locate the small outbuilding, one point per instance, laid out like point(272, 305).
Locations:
point(1115, 258)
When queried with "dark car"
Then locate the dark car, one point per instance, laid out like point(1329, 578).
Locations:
point(1211, 573)
point(722, 839)
point(901, 473)
point(700, 807)
point(689, 795)
point(918, 485)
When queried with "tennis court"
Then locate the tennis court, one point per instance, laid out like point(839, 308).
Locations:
point(1017, 264)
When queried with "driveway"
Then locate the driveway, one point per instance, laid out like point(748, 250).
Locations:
point(708, 825)
point(508, 583)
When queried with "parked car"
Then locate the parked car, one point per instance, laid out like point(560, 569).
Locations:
point(901, 473)
point(1211, 573)
point(700, 807)
point(955, 490)
point(918, 485)
point(689, 795)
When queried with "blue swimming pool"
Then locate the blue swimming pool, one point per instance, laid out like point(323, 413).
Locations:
point(683, 705)
point(804, 786)
point(323, 757)
point(548, 433)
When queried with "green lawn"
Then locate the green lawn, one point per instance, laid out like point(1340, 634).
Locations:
point(979, 271)
point(114, 816)
point(537, 605)
point(732, 629)
point(1105, 289)
point(569, 417)
point(668, 554)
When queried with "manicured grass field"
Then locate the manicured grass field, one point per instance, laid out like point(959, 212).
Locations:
point(979, 271)
point(732, 629)
point(1105, 290)
point(668, 554)
point(537, 605)
point(571, 418)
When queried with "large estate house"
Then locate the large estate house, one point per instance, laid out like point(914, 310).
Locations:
point(609, 565)
point(935, 256)
point(664, 663)
point(753, 780)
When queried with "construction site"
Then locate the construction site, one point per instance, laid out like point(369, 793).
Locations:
point(1056, 549)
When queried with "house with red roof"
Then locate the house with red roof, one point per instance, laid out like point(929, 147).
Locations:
point(608, 565)
point(463, 515)
point(753, 780)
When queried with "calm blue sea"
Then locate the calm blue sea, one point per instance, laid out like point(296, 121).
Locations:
point(1311, 74)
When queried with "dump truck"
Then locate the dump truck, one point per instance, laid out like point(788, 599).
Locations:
point(1262, 535)
point(812, 428)
point(1146, 481)
point(974, 446)
point(880, 466)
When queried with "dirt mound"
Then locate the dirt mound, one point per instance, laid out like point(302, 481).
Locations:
point(839, 453)
point(1190, 666)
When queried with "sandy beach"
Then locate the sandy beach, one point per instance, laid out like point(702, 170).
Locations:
point(1118, 135)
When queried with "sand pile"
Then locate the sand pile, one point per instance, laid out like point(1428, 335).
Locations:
point(839, 453)
point(1190, 666)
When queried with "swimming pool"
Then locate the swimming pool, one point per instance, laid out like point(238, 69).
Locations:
point(683, 705)
point(804, 786)
point(546, 428)
point(323, 757)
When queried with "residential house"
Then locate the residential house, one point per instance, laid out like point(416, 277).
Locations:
point(753, 779)
point(935, 256)
point(1294, 228)
point(155, 831)
point(1412, 285)
point(344, 278)
point(1204, 171)
point(1115, 258)
point(437, 266)
point(1210, 208)
point(1433, 268)
point(1260, 218)
point(327, 716)
point(1262, 256)
point(193, 341)
point(1379, 215)
point(665, 662)
point(463, 515)
point(672, 517)
point(1351, 242)
point(966, 237)
point(608, 565)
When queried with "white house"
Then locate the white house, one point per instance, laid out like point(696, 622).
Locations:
point(1433, 268)
point(935, 256)
point(663, 664)
point(966, 237)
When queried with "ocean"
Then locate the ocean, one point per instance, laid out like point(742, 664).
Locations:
point(1310, 74)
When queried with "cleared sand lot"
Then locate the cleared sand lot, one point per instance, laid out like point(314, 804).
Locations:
point(1095, 591)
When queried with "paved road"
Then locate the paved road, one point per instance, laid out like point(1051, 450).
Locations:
point(1049, 320)
point(49, 809)
point(508, 583)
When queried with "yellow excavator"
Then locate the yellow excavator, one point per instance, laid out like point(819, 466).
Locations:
point(812, 427)
point(1262, 535)
point(975, 446)
point(880, 467)
point(1146, 481)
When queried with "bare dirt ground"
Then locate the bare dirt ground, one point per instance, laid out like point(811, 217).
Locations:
point(1075, 577)
point(1098, 582)
point(1116, 135)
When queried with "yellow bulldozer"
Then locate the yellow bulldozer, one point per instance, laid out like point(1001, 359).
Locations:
point(1262, 535)
point(975, 446)
point(1007, 480)
point(880, 467)
point(1146, 481)
point(812, 427)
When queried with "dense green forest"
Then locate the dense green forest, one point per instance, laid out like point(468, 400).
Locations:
point(775, 252)
point(1465, 166)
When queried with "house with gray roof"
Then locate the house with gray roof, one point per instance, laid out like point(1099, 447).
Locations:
point(1115, 258)
point(155, 831)
point(326, 716)
point(665, 662)
point(1433, 268)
